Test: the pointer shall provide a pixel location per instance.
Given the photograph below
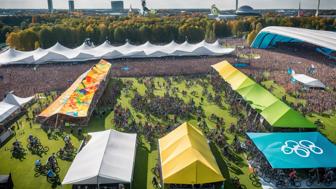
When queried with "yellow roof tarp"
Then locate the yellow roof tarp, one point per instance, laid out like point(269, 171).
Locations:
point(186, 157)
point(224, 68)
point(76, 100)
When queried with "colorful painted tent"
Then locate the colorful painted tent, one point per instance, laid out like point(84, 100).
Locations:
point(280, 115)
point(296, 149)
point(186, 157)
point(76, 100)
point(272, 109)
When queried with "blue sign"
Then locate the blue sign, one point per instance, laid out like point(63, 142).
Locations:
point(296, 150)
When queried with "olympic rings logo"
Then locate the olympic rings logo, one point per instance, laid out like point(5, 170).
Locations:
point(303, 148)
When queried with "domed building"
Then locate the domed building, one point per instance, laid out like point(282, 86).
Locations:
point(247, 11)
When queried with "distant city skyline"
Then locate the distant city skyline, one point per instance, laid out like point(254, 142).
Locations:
point(170, 4)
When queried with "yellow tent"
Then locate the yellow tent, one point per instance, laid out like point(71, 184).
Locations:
point(186, 157)
point(225, 69)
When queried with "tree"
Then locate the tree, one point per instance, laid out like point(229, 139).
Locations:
point(251, 36)
point(145, 33)
point(120, 35)
point(46, 38)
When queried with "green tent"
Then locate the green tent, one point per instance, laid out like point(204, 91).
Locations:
point(258, 97)
point(246, 83)
point(280, 115)
point(243, 91)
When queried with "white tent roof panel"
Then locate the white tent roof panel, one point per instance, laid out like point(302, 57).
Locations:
point(6, 110)
point(59, 53)
point(107, 158)
point(18, 101)
point(308, 81)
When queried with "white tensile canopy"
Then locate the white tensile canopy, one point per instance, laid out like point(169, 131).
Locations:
point(14, 56)
point(59, 53)
point(107, 158)
point(18, 101)
point(308, 81)
point(271, 34)
point(7, 110)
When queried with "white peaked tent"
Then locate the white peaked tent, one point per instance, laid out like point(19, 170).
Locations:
point(82, 53)
point(14, 56)
point(11, 104)
point(6, 110)
point(308, 81)
point(107, 158)
point(18, 101)
point(59, 53)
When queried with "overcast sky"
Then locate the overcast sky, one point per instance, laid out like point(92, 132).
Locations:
point(156, 4)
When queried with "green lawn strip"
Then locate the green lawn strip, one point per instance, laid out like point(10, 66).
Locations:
point(330, 125)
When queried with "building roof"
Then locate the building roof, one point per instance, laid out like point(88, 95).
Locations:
point(273, 34)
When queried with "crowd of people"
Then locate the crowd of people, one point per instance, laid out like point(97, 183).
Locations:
point(300, 58)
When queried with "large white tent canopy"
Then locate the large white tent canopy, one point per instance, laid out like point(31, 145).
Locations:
point(272, 34)
point(84, 52)
point(107, 158)
point(6, 110)
point(18, 101)
point(308, 81)
point(11, 104)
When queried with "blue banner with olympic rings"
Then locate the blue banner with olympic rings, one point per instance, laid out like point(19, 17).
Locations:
point(296, 149)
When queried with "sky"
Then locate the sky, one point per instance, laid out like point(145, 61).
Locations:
point(177, 4)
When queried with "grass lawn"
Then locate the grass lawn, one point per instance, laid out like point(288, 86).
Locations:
point(147, 154)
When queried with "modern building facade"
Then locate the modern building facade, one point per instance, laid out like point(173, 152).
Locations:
point(71, 6)
point(50, 6)
point(117, 6)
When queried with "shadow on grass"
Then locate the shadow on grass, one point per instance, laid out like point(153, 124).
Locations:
point(221, 164)
point(224, 167)
point(140, 168)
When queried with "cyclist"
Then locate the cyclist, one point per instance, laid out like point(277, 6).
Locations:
point(329, 175)
point(67, 139)
point(292, 176)
point(16, 145)
point(51, 173)
point(38, 163)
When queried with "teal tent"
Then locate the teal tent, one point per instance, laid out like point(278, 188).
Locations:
point(296, 150)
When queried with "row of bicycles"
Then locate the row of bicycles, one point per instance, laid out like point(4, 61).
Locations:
point(51, 168)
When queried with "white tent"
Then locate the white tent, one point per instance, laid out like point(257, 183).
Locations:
point(308, 81)
point(12, 56)
point(18, 101)
point(7, 110)
point(107, 158)
point(59, 53)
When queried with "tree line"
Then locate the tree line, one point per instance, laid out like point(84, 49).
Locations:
point(45, 30)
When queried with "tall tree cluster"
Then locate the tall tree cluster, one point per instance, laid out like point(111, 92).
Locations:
point(45, 30)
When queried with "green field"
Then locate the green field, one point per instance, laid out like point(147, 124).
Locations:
point(147, 153)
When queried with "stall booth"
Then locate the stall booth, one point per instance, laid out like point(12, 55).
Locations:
point(186, 159)
point(77, 103)
point(106, 161)
point(11, 108)
point(276, 113)
point(302, 151)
